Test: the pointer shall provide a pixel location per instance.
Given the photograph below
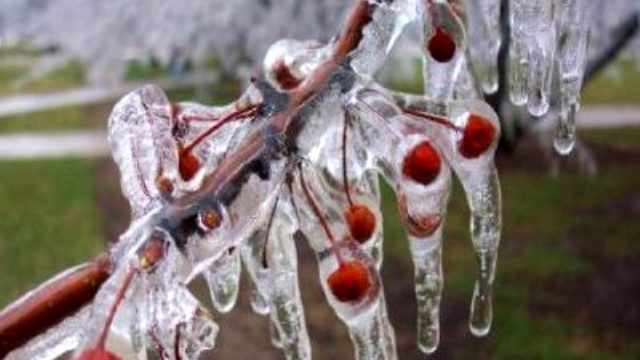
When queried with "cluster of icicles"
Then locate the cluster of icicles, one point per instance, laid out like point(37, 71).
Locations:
point(198, 211)
point(549, 36)
point(548, 42)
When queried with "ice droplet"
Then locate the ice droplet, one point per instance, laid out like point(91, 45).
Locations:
point(286, 309)
point(223, 279)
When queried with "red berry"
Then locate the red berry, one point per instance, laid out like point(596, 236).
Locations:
point(210, 219)
point(188, 165)
point(284, 77)
point(361, 222)
point(477, 136)
point(97, 354)
point(350, 282)
point(422, 164)
point(441, 46)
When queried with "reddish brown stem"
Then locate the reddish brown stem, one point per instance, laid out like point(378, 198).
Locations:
point(138, 170)
point(52, 303)
point(316, 211)
point(176, 341)
point(238, 114)
point(345, 180)
point(114, 307)
point(268, 232)
point(434, 118)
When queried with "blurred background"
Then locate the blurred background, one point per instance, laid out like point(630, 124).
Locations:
point(568, 282)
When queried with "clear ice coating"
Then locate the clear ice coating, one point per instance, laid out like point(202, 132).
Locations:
point(485, 33)
point(299, 157)
point(548, 53)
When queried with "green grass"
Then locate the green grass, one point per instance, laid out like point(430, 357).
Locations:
point(68, 76)
point(143, 70)
point(628, 138)
point(621, 89)
point(49, 221)
point(58, 119)
point(8, 74)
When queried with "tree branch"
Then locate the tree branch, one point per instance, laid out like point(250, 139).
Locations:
point(65, 295)
point(621, 36)
point(51, 303)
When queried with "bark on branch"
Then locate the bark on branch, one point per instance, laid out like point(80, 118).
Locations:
point(50, 304)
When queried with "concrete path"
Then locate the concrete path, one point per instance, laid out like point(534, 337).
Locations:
point(53, 145)
point(94, 143)
point(609, 116)
point(21, 104)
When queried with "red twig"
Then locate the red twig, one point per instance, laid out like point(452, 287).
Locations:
point(434, 118)
point(136, 164)
point(52, 303)
point(238, 114)
point(114, 307)
point(345, 180)
point(316, 211)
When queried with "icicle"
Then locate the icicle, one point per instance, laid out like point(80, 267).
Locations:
point(468, 142)
point(363, 188)
point(284, 294)
point(223, 278)
point(259, 304)
point(423, 205)
point(533, 39)
point(349, 275)
point(274, 335)
point(389, 20)
point(572, 58)
point(366, 337)
point(477, 173)
point(387, 339)
point(422, 196)
point(444, 44)
point(519, 62)
point(423, 208)
point(485, 38)
point(253, 258)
